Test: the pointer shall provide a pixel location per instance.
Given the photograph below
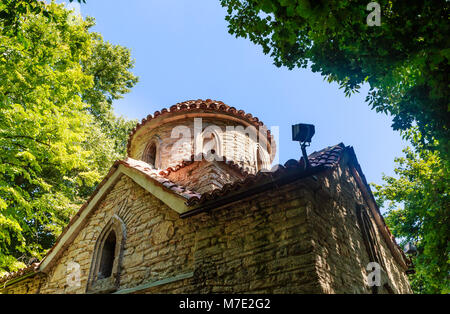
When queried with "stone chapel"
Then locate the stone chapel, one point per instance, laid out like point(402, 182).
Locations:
point(175, 218)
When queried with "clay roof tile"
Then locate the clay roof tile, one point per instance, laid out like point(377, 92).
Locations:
point(196, 104)
point(21, 272)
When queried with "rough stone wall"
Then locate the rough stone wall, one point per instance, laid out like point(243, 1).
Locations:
point(341, 256)
point(258, 245)
point(300, 238)
point(236, 146)
point(261, 245)
point(30, 285)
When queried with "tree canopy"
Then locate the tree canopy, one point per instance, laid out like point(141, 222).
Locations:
point(417, 201)
point(58, 133)
point(405, 60)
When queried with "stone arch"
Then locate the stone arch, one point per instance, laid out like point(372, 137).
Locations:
point(104, 274)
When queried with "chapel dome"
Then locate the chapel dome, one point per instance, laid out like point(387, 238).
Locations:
point(166, 138)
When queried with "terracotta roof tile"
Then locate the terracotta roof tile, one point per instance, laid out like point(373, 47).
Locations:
point(325, 158)
point(192, 105)
point(21, 272)
point(156, 175)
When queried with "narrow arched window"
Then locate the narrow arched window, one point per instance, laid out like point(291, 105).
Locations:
point(262, 158)
point(370, 241)
point(150, 155)
point(104, 275)
point(108, 256)
point(258, 158)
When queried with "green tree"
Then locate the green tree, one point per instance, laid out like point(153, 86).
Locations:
point(405, 61)
point(109, 66)
point(58, 134)
point(11, 12)
point(418, 210)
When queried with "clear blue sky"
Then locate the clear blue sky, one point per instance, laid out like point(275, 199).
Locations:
point(183, 51)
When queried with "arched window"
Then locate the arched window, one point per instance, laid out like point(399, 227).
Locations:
point(108, 256)
point(104, 275)
point(151, 153)
point(150, 156)
point(210, 147)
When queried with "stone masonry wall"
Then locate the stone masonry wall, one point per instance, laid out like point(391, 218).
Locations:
point(340, 251)
point(30, 285)
point(299, 238)
point(259, 245)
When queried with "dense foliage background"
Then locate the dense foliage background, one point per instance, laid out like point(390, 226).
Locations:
point(58, 133)
point(417, 203)
point(405, 62)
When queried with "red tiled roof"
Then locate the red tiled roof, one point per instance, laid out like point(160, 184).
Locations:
point(325, 158)
point(192, 105)
point(21, 272)
point(159, 177)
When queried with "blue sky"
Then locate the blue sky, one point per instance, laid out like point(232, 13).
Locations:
point(183, 51)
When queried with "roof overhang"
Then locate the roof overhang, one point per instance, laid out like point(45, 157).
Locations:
point(120, 168)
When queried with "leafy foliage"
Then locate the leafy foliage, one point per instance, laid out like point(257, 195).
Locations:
point(12, 11)
point(58, 134)
point(405, 60)
point(418, 203)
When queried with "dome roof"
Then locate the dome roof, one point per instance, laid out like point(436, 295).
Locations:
point(197, 108)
